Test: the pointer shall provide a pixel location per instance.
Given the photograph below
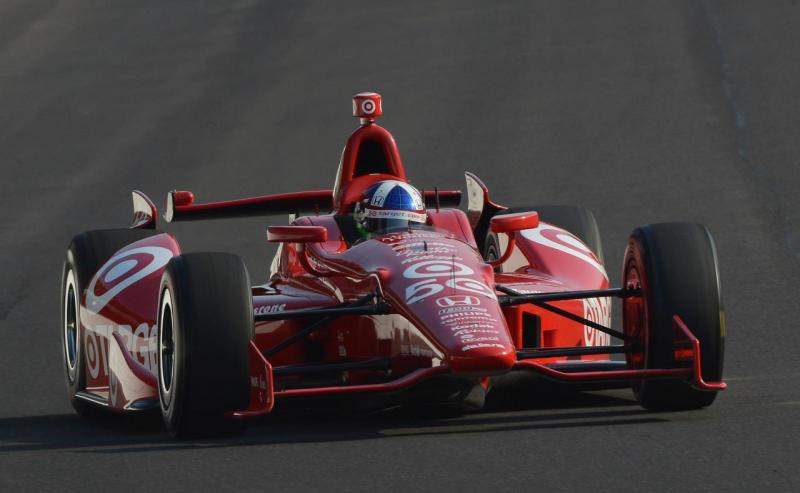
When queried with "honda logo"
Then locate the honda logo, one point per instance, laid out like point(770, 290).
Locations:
point(458, 300)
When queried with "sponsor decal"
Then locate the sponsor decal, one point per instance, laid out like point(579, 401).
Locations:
point(265, 309)
point(473, 326)
point(141, 343)
point(461, 309)
point(431, 253)
point(123, 270)
point(437, 275)
point(436, 268)
point(391, 214)
point(458, 300)
point(563, 241)
point(597, 310)
point(409, 236)
point(481, 345)
point(422, 289)
point(258, 382)
point(471, 339)
point(368, 106)
point(468, 321)
point(94, 356)
point(475, 331)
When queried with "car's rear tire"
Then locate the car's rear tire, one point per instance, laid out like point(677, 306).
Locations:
point(577, 220)
point(675, 264)
point(205, 322)
point(85, 255)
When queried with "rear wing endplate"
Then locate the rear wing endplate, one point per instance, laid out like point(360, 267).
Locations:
point(144, 211)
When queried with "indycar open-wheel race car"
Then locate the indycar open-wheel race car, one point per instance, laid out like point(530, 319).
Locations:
point(429, 313)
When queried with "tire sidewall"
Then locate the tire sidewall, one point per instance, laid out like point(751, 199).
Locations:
point(171, 402)
point(211, 331)
point(75, 378)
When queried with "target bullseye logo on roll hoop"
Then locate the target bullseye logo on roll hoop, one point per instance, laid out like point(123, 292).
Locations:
point(436, 275)
point(368, 106)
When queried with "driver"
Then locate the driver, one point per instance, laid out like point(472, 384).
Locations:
point(387, 206)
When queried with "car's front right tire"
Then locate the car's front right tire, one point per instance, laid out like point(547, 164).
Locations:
point(675, 266)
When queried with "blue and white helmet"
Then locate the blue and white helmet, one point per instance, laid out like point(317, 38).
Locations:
point(388, 205)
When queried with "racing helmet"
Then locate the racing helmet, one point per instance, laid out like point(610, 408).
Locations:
point(389, 205)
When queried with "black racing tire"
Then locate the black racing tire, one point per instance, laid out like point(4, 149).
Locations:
point(85, 255)
point(205, 325)
point(676, 266)
point(577, 220)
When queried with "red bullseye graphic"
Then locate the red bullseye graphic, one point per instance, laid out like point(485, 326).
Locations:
point(123, 270)
point(437, 268)
point(561, 240)
point(368, 107)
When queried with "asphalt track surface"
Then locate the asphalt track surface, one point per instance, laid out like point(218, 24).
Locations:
point(641, 111)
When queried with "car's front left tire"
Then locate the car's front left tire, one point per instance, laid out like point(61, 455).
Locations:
point(205, 322)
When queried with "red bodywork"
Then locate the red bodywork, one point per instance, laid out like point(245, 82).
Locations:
point(445, 317)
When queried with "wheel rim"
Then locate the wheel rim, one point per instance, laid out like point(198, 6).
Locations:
point(635, 318)
point(70, 325)
point(166, 345)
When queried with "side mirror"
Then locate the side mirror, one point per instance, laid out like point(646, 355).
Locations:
point(508, 223)
point(297, 234)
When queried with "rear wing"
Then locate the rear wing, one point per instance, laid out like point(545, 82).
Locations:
point(181, 206)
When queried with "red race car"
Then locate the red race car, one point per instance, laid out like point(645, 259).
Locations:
point(385, 296)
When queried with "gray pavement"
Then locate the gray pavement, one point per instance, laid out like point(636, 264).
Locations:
point(642, 111)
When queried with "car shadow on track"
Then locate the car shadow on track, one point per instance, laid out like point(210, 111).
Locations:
point(143, 433)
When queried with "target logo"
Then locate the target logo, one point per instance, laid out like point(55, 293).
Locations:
point(368, 106)
point(437, 268)
point(123, 270)
point(565, 242)
point(436, 275)
point(93, 356)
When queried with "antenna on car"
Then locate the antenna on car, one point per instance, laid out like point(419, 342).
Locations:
point(436, 197)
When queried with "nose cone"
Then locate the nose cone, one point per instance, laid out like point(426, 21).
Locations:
point(472, 330)
point(444, 287)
